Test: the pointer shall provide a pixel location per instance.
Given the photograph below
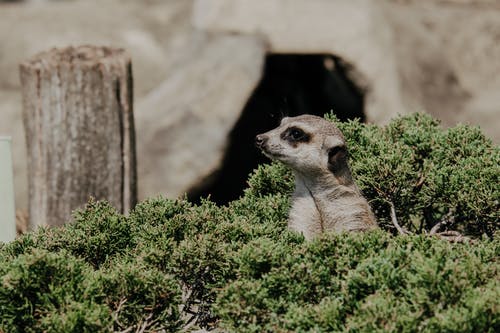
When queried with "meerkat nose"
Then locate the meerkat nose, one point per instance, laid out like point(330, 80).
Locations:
point(260, 140)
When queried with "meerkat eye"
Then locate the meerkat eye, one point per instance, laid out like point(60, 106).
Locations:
point(296, 134)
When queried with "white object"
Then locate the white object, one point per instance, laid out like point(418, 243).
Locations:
point(7, 210)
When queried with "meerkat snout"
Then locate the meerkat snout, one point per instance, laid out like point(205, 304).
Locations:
point(260, 140)
point(326, 197)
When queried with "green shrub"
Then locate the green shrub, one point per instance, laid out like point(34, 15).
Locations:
point(138, 295)
point(170, 265)
point(95, 234)
point(365, 283)
point(428, 173)
point(45, 291)
point(81, 278)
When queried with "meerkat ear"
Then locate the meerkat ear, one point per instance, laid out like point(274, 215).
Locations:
point(337, 154)
point(337, 158)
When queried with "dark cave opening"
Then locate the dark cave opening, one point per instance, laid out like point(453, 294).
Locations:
point(292, 84)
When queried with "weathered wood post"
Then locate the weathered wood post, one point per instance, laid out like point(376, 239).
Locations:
point(78, 119)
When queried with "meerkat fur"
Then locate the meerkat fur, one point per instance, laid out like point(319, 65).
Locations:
point(326, 197)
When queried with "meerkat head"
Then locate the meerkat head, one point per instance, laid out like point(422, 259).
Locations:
point(308, 144)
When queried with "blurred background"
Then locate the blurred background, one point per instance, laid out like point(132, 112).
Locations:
point(211, 74)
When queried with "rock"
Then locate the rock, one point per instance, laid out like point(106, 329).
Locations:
point(447, 54)
point(127, 24)
point(437, 56)
point(184, 123)
point(428, 80)
point(355, 30)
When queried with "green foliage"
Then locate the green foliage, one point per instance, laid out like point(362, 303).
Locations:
point(266, 180)
point(97, 233)
point(80, 278)
point(170, 264)
point(365, 283)
point(45, 291)
point(428, 173)
point(136, 293)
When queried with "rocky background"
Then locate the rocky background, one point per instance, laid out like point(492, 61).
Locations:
point(196, 64)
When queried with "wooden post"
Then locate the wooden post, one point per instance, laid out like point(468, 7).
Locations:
point(78, 119)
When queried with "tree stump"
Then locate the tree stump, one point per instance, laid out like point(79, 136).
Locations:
point(78, 119)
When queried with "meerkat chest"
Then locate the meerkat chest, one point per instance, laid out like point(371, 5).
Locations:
point(304, 216)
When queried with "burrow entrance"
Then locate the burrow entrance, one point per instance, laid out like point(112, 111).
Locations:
point(292, 84)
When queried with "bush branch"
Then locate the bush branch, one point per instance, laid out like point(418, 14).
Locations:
point(394, 219)
point(449, 218)
point(453, 236)
point(117, 314)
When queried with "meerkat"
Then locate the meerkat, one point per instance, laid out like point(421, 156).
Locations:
point(326, 197)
